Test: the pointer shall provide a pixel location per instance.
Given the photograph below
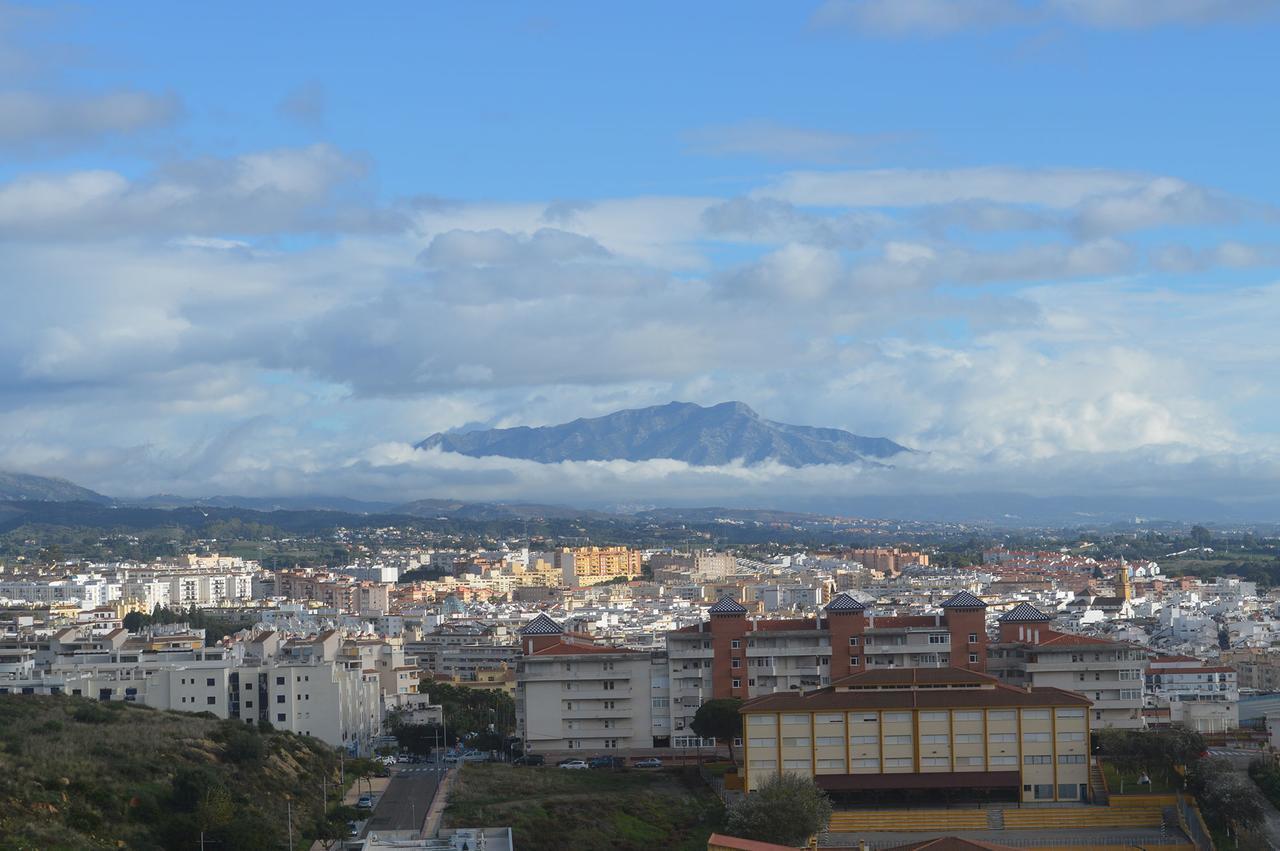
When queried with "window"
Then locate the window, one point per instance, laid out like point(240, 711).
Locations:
point(795, 742)
point(761, 720)
point(279, 698)
point(211, 700)
point(868, 719)
point(973, 638)
point(1043, 791)
point(968, 738)
point(795, 763)
point(899, 763)
point(973, 658)
point(764, 763)
point(1003, 760)
point(795, 719)
point(737, 684)
point(939, 638)
point(1037, 759)
point(969, 760)
point(735, 663)
point(762, 742)
point(866, 763)
point(1071, 737)
point(248, 704)
point(248, 686)
point(1070, 713)
point(1035, 737)
point(933, 716)
point(735, 643)
point(897, 740)
point(967, 715)
point(280, 682)
point(609, 685)
point(853, 641)
point(897, 716)
point(934, 761)
point(831, 763)
point(830, 719)
point(863, 740)
point(1071, 759)
point(280, 716)
point(1000, 715)
point(941, 739)
point(829, 741)
point(1003, 737)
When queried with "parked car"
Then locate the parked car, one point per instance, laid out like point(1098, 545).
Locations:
point(607, 762)
point(365, 802)
point(574, 764)
point(651, 762)
point(475, 756)
point(404, 758)
point(530, 759)
point(568, 759)
point(353, 829)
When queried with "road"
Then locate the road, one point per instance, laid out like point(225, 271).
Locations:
point(404, 804)
point(1271, 817)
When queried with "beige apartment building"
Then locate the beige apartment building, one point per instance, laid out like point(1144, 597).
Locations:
point(573, 694)
point(1110, 673)
point(592, 565)
point(921, 729)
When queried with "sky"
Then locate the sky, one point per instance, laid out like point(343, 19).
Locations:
point(264, 249)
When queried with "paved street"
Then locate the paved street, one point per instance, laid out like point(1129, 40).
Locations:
point(404, 804)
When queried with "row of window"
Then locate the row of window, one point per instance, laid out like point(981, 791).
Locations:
point(927, 716)
point(905, 739)
point(904, 762)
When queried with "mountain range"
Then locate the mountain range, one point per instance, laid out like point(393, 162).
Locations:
point(680, 431)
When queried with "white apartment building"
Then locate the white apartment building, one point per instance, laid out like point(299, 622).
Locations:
point(1200, 696)
point(1110, 673)
point(572, 694)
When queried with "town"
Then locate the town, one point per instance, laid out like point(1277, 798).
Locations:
point(607, 653)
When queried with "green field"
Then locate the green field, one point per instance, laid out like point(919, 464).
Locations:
point(550, 808)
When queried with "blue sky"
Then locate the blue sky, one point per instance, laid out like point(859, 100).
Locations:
point(265, 249)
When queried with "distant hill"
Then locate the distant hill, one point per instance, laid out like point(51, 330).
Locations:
point(458, 510)
point(682, 431)
point(24, 486)
point(263, 503)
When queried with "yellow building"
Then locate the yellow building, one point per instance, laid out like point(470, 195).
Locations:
point(920, 729)
point(593, 565)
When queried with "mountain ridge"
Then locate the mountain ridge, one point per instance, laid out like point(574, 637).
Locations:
point(680, 431)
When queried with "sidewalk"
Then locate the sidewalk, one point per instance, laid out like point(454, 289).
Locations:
point(435, 813)
point(367, 785)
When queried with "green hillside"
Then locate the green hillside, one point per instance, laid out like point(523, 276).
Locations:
point(75, 773)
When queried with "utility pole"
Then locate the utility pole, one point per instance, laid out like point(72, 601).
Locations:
point(288, 803)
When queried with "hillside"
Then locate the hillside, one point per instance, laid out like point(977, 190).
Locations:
point(78, 774)
point(681, 431)
point(24, 486)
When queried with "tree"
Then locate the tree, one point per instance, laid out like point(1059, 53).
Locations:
point(786, 809)
point(719, 719)
point(1201, 536)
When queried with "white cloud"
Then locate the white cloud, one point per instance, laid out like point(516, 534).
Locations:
point(283, 190)
point(1059, 188)
point(934, 18)
point(29, 119)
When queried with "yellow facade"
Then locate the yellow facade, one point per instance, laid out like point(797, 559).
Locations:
point(1047, 745)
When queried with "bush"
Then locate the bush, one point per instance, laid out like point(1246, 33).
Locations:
point(786, 809)
point(92, 713)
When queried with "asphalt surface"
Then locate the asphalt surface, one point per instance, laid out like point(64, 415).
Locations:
point(404, 804)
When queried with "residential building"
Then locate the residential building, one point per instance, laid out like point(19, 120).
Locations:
point(593, 565)
point(574, 694)
point(1032, 653)
point(731, 655)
